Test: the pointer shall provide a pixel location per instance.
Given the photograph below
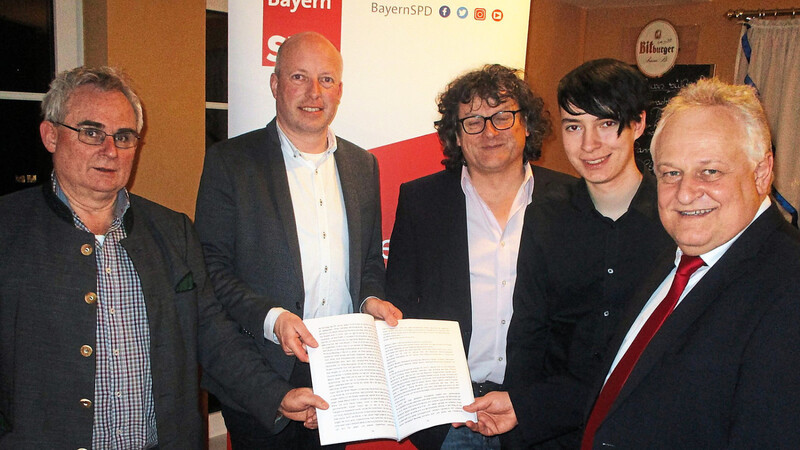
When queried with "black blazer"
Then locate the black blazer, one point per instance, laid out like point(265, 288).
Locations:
point(427, 274)
point(723, 370)
point(246, 224)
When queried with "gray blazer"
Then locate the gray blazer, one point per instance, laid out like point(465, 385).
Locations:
point(45, 318)
point(246, 224)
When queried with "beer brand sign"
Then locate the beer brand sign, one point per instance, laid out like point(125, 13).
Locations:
point(657, 48)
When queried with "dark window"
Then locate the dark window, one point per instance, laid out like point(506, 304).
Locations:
point(26, 43)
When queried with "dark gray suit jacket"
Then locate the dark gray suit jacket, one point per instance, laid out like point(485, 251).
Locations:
point(246, 223)
point(45, 319)
point(428, 270)
point(723, 370)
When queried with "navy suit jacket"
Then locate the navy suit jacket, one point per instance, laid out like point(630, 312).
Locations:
point(246, 224)
point(723, 370)
point(428, 269)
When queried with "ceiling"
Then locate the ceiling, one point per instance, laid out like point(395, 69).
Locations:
point(628, 3)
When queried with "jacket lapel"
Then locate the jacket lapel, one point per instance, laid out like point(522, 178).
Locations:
point(349, 182)
point(278, 192)
point(733, 264)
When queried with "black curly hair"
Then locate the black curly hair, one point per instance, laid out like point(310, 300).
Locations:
point(494, 84)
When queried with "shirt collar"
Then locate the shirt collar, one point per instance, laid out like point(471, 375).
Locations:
point(121, 204)
point(527, 182)
point(289, 149)
point(711, 257)
point(642, 201)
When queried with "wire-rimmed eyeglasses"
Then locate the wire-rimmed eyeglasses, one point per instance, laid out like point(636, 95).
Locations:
point(95, 136)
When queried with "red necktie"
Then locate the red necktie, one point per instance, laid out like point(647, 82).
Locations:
point(610, 391)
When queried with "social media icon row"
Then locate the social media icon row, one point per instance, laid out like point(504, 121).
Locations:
point(479, 13)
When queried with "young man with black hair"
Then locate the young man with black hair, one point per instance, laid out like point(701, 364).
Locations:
point(586, 247)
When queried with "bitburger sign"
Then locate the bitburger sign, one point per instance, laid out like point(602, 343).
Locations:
point(657, 48)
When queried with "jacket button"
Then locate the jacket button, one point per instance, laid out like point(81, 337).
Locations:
point(90, 297)
point(86, 403)
point(87, 249)
point(86, 351)
point(297, 305)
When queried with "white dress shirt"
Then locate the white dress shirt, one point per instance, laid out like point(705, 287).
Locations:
point(321, 220)
point(710, 258)
point(493, 255)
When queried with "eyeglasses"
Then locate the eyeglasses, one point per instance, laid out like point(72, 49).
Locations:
point(501, 120)
point(94, 136)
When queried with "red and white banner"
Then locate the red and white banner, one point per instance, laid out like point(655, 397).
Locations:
point(398, 56)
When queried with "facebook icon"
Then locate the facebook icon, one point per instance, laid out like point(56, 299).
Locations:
point(444, 11)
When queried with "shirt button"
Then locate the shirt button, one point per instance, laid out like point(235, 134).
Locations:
point(323, 301)
point(500, 359)
point(118, 394)
point(503, 321)
point(610, 270)
point(116, 352)
point(90, 297)
point(502, 243)
point(605, 313)
point(504, 282)
point(112, 310)
point(320, 202)
point(326, 269)
point(324, 235)
point(86, 351)
point(108, 269)
point(316, 171)
point(87, 249)
point(86, 403)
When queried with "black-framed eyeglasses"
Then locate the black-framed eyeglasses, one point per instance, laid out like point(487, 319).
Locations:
point(501, 120)
point(95, 136)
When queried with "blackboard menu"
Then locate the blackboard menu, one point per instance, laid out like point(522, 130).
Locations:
point(662, 89)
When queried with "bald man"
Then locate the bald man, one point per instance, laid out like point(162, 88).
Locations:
point(290, 221)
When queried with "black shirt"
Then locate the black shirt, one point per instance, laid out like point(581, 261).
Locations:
point(577, 270)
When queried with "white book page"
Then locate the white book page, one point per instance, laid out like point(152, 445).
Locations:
point(428, 373)
point(347, 371)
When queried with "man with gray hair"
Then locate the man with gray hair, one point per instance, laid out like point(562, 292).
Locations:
point(707, 356)
point(105, 305)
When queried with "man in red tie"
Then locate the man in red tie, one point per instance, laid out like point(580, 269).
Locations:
point(708, 352)
point(710, 359)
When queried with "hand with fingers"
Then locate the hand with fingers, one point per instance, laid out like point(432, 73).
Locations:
point(293, 335)
point(382, 310)
point(495, 414)
point(300, 404)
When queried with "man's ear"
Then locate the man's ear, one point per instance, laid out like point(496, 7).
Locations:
point(273, 84)
point(49, 135)
point(638, 127)
point(763, 175)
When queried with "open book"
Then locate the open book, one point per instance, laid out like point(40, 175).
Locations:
point(387, 383)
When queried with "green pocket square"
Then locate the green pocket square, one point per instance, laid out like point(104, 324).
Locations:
point(186, 284)
point(5, 427)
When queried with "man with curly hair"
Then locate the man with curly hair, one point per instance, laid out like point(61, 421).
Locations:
point(456, 235)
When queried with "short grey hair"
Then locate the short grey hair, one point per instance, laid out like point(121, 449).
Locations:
point(740, 100)
point(54, 105)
